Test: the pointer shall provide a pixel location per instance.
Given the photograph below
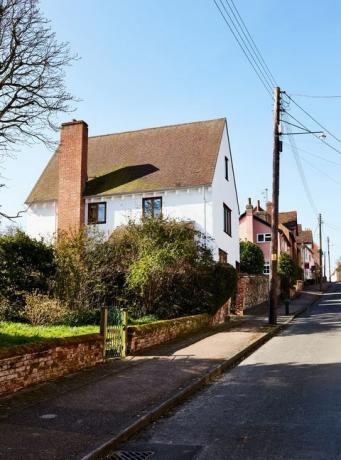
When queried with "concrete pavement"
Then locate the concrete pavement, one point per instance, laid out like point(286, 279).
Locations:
point(73, 416)
point(282, 402)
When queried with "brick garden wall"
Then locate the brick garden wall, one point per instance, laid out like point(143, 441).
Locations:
point(148, 335)
point(252, 290)
point(24, 365)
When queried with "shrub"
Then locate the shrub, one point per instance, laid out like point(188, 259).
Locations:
point(251, 258)
point(41, 310)
point(87, 270)
point(83, 317)
point(26, 265)
point(287, 270)
point(153, 253)
point(199, 290)
point(5, 309)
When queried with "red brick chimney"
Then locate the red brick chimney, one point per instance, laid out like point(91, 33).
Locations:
point(269, 211)
point(73, 159)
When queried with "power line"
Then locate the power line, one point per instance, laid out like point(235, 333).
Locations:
point(316, 97)
point(314, 119)
point(264, 82)
point(315, 155)
point(250, 41)
point(317, 137)
point(322, 172)
point(300, 170)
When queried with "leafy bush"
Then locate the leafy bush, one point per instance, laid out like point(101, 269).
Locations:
point(287, 270)
point(41, 310)
point(26, 266)
point(87, 270)
point(251, 258)
point(5, 309)
point(83, 317)
point(155, 253)
point(199, 290)
point(155, 266)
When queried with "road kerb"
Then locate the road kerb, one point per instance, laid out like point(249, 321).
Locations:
point(183, 394)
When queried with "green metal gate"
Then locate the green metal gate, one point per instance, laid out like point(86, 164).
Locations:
point(114, 330)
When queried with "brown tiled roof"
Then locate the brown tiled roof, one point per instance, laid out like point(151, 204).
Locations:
point(306, 236)
point(149, 159)
point(287, 217)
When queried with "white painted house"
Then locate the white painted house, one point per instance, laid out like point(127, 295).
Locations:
point(184, 171)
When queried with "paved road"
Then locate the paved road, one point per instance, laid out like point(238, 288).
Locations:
point(283, 402)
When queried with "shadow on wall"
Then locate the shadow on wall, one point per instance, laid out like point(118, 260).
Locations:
point(118, 178)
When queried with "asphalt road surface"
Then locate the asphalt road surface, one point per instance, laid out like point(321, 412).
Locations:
point(283, 402)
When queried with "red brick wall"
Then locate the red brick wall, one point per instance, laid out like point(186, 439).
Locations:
point(148, 335)
point(22, 366)
point(72, 157)
point(252, 290)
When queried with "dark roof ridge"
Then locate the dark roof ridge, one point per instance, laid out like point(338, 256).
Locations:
point(158, 127)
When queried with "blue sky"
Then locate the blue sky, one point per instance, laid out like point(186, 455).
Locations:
point(155, 62)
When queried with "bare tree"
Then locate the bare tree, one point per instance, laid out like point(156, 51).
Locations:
point(32, 74)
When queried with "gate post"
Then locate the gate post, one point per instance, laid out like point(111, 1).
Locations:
point(124, 332)
point(104, 327)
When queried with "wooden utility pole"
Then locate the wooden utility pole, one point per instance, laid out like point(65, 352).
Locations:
point(329, 272)
point(321, 253)
point(274, 212)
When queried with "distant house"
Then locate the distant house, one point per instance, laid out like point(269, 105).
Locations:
point(182, 171)
point(255, 226)
point(307, 261)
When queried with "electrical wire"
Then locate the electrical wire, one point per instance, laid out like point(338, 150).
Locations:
point(314, 119)
point(322, 172)
point(243, 28)
point(316, 97)
point(264, 82)
point(315, 155)
point(300, 170)
point(313, 134)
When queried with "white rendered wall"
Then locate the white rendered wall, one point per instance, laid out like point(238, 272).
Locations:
point(41, 220)
point(192, 204)
point(224, 191)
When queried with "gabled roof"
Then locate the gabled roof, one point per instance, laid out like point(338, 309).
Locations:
point(289, 219)
point(286, 218)
point(140, 161)
point(263, 221)
point(306, 236)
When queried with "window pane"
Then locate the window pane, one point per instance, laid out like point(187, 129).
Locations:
point(227, 220)
point(266, 268)
point(147, 207)
point(101, 213)
point(226, 168)
point(260, 237)
point(157, 207)
point(92, 213)
point(268, 237)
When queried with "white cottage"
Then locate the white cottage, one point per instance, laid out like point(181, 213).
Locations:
point(184, 171)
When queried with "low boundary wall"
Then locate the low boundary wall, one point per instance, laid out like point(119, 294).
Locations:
point(147, 335)
point(23, 365)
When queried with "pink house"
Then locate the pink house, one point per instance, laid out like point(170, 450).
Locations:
point(255, 226)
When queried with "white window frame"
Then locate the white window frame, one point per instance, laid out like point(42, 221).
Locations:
point(266, 270)
point(266, 237)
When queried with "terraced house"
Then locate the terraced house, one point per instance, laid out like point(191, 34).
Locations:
point(182, 171)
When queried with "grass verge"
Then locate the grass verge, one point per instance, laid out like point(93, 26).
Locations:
point(18, 333)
